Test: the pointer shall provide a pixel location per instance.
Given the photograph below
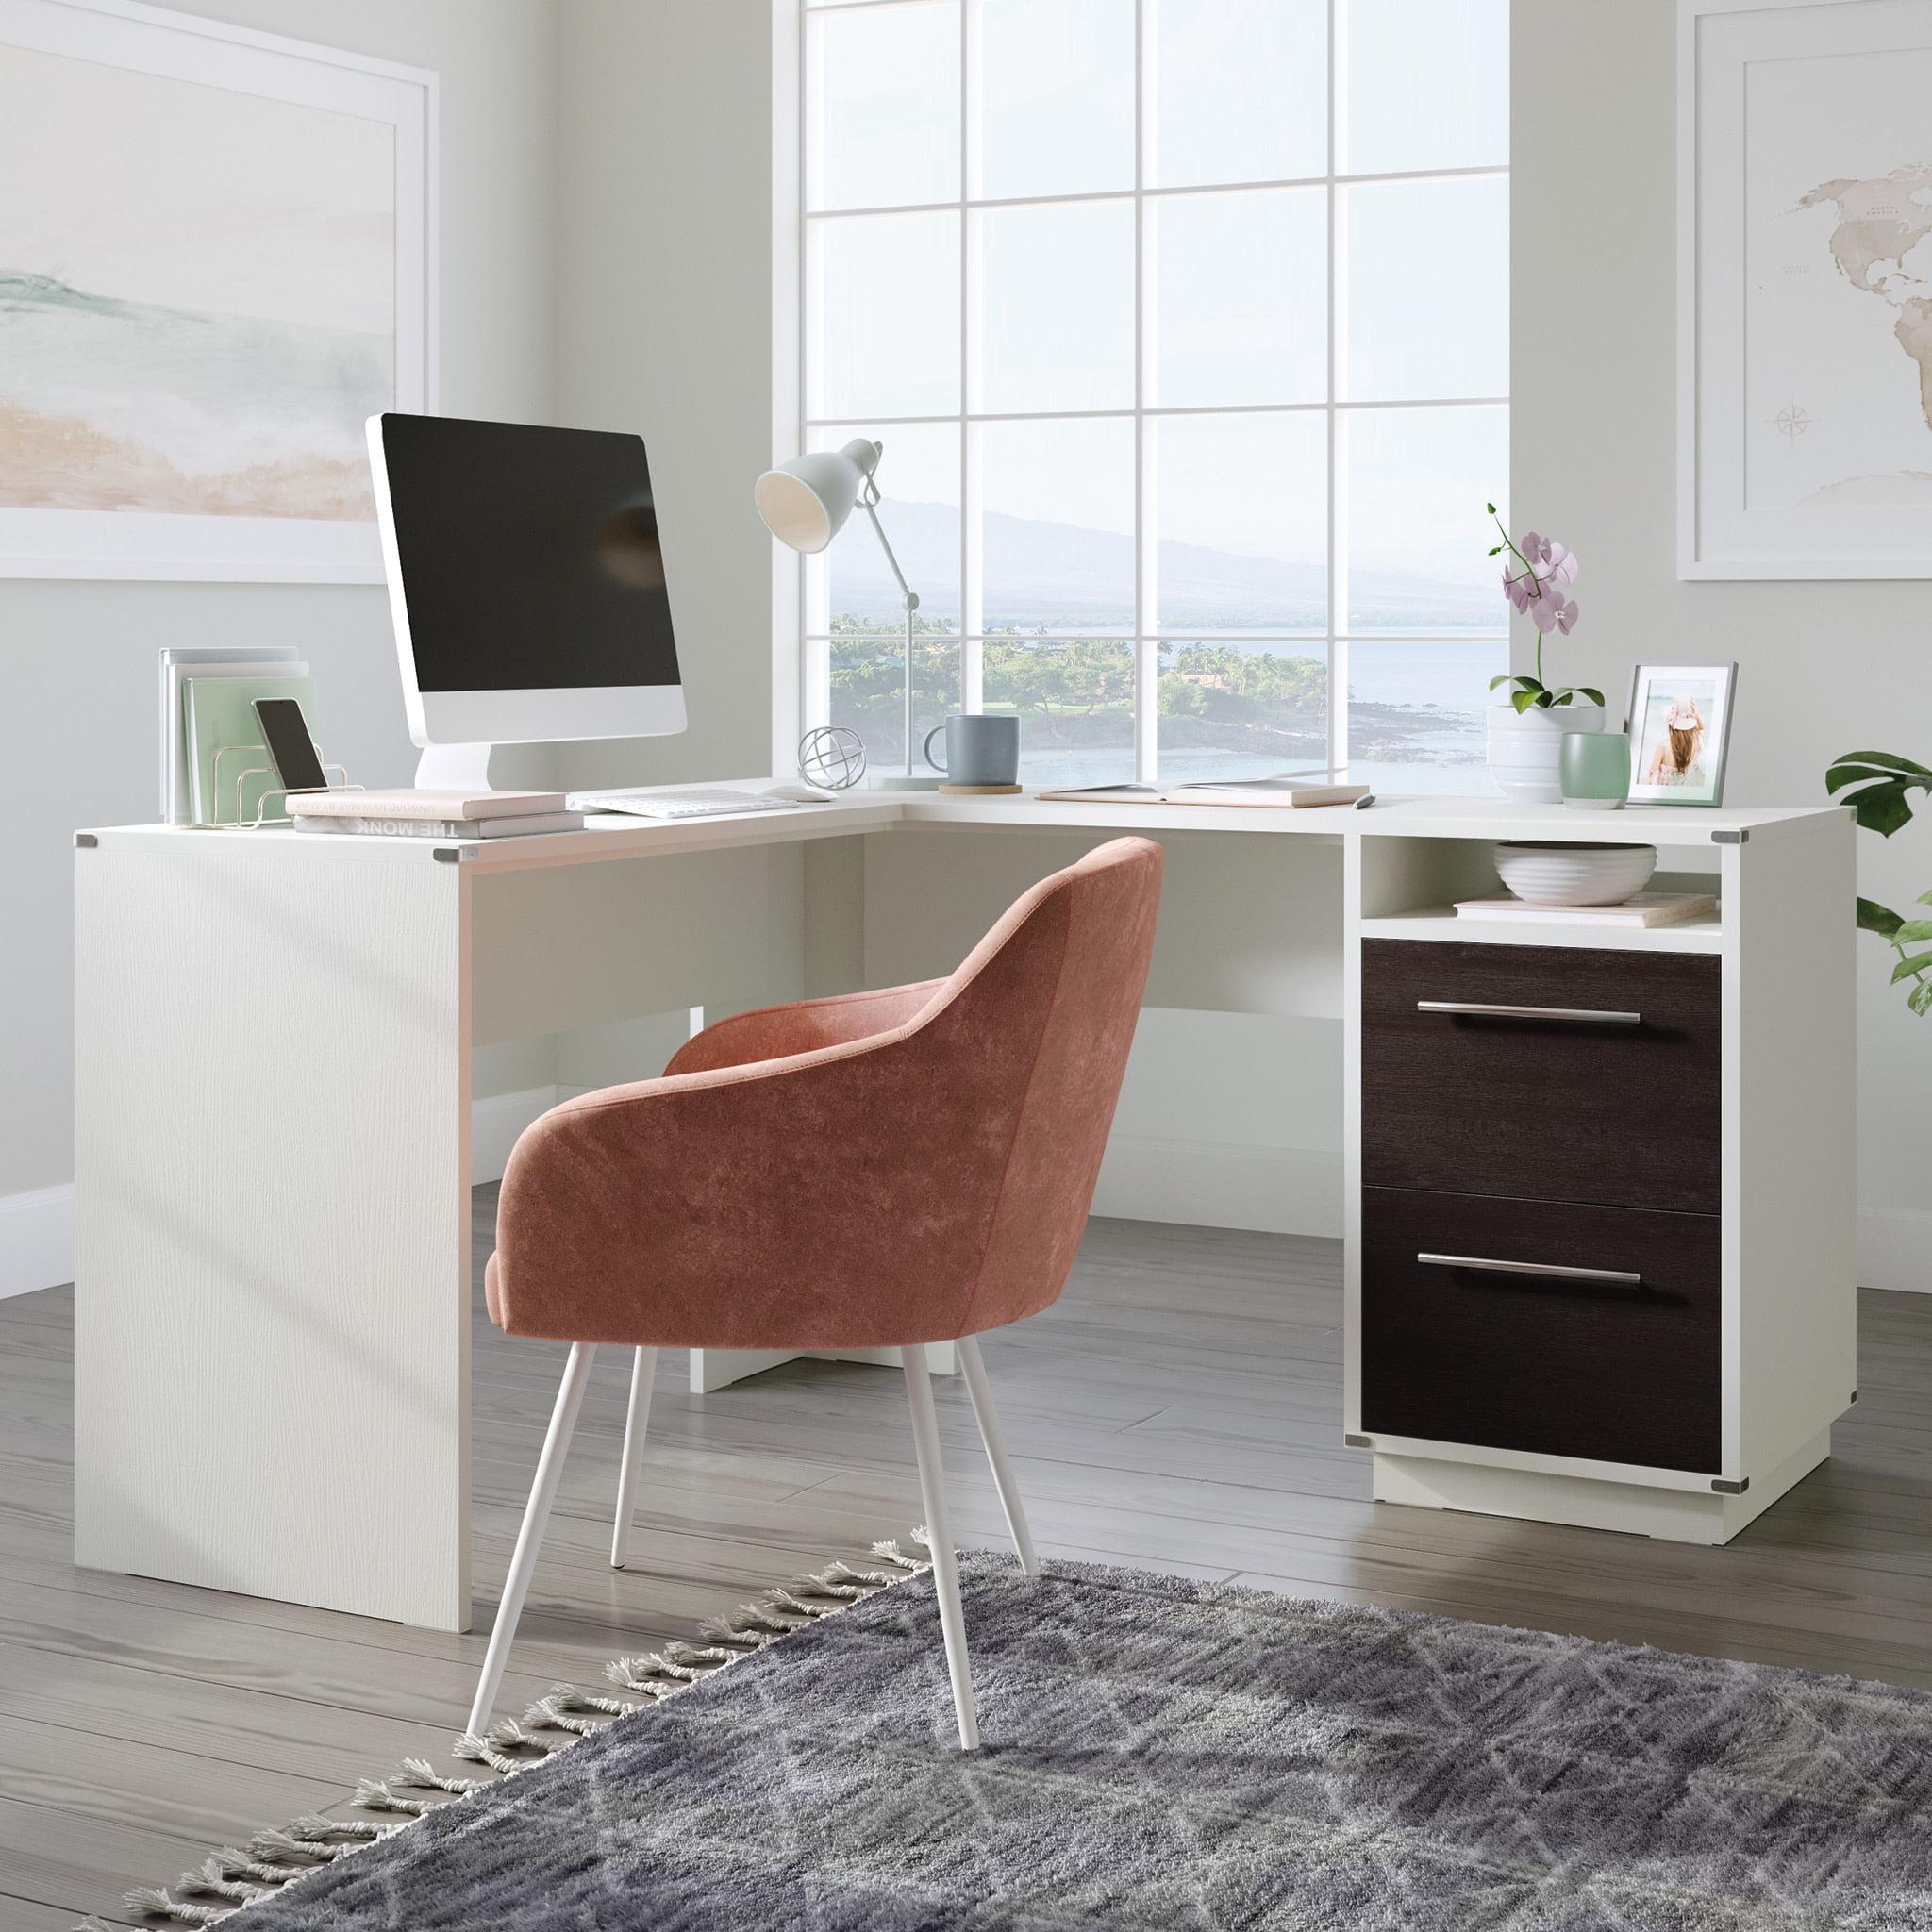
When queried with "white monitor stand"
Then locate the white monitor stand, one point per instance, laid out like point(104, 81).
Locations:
point(454, 768)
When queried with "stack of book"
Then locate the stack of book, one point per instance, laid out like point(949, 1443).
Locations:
point(433, 814)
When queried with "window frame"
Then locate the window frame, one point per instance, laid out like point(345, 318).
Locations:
point(794, 426)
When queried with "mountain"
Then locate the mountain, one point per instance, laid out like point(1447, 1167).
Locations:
point(1064, 575)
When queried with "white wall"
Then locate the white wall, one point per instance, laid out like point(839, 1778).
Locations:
point(78, 722)
point(1822, 668)
point(664, 303)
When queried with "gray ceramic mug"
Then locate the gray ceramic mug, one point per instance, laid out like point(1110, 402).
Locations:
point(980, 750)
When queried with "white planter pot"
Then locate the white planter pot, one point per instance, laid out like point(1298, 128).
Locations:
point(1524, 747)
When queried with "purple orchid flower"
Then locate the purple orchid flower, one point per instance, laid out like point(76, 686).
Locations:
point(1548, 611)
point(1536, 572)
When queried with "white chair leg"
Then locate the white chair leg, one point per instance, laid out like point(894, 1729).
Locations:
point(636, 1420)
point(988, 1417)
point(946, 1569)
point(522, 1564)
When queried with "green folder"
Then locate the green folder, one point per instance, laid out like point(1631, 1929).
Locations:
point(224, 743)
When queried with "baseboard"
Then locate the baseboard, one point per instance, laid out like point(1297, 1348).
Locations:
point(496, 1120)
point(1895, 1249)
point(1218, 1184)
point(36, 1240)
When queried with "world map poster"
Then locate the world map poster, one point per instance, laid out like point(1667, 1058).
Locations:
point(1838, 325)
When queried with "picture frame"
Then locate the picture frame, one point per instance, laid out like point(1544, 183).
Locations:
point(1681, 733)
point(1803, 340)
point(187, 352)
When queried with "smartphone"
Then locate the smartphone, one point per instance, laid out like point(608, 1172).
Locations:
point(286, 732)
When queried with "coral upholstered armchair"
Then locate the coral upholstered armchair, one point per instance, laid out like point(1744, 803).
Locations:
point(880, 1170)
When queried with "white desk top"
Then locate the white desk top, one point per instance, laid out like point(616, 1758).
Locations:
point(611, 836)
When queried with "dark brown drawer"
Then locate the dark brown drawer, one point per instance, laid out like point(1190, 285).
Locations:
point(1563, 1109)
point(1559, 1365)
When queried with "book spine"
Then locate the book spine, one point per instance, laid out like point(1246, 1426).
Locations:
point(392, 828)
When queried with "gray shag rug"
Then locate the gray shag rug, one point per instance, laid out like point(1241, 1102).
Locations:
point(1157, 1753)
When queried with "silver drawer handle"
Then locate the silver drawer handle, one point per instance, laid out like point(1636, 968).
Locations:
point(1579, 1015)
point(1620, 1276)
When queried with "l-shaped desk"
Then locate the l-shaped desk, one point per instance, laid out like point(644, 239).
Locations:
point(1597, 1182)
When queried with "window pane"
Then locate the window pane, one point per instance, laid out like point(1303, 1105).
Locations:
point(882, 105)
point(882, 301)
point(1057, 522)
point(849, 587)
point(1241, 294)
point(1450, 239)
point(869, 693)
point(1075, 700)
point(1239, 91)
point(1056, 308)
point(1427, 85)
point(1241, 709)
point(1417, 536)
point(1054, 82)
point(1415, 714)
point(1238, 522)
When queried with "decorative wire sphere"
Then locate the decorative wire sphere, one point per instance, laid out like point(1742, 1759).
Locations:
point(832, 756)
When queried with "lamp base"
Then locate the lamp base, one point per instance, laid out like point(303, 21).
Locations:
point(906, 781)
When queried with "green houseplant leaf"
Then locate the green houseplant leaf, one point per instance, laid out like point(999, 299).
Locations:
point(1878, 785)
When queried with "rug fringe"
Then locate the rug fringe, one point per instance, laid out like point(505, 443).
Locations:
point(229, 1881)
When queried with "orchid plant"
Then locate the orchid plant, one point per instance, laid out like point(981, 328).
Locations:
point(1533, 580)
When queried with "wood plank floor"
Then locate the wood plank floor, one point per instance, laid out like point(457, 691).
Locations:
point(1178, 1409)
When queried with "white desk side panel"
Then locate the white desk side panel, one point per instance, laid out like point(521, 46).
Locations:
point(271, 1316)
point(1791, 1128)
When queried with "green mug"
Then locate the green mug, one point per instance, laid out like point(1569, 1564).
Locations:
point(1594, 768)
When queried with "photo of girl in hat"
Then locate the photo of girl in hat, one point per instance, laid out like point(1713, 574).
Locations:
point(1679, 719)
point(1675, 760)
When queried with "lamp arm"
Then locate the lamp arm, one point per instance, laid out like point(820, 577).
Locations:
point(906, 590)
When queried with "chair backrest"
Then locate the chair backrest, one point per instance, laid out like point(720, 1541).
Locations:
point(1033, 1031)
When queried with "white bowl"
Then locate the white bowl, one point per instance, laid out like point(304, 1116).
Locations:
point(1544, 873)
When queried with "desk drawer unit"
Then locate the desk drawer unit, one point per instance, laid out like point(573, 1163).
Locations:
point(1551, 1328)
point(1565, 1074)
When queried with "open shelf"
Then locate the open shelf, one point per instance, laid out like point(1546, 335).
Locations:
point(1703, 934)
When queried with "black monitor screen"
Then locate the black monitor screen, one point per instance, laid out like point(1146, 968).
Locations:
point(529, 556)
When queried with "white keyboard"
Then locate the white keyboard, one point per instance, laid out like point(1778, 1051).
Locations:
point(677, 805)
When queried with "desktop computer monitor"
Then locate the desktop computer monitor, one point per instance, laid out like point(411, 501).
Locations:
point(526, 583)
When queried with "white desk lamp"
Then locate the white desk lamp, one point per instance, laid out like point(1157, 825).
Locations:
point(805, 502)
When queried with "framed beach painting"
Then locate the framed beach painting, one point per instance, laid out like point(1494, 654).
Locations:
point(1805, 288)
point(217, 260)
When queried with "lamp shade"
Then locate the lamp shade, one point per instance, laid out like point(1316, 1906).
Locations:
point(805, 502)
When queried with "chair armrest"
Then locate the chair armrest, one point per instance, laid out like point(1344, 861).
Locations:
point(771, 1033)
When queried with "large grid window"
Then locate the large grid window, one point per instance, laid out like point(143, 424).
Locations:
point(1184, 324)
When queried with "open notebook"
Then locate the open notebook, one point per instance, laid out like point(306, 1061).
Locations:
point(1287, 789)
